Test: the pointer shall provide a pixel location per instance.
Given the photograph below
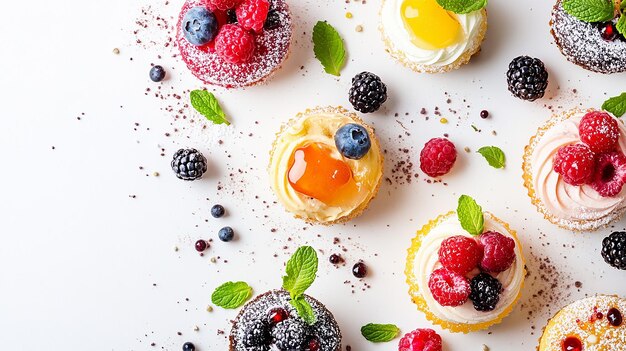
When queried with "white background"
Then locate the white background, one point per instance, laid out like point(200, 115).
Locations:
point(79, 255)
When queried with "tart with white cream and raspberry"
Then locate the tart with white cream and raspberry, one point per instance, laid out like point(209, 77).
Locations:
point(465, 269)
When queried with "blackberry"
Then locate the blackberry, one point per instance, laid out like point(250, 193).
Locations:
point(614, 250)
point(256, 334)
point(272, 21)
point(527, 78)
point(290, 334)
point(189, 164)
point(368, 92)
point(485, 292)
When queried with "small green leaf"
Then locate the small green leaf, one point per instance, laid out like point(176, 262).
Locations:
point(623, 5)
point(493, 155)
point(328, 47)
point(208, 106)
point(590, 10)
point(616, 105)
point(301, 271)
point(304, 309)
point(462, 6)
point(231, 295)
point(470, 215)
point(621, 23)
point(379, 332)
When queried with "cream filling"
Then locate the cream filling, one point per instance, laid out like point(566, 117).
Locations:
point(427, 260)
point(560, 199)
point(393, 26)
point(320, 126)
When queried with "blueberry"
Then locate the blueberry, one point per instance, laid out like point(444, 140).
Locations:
point(217, 211)
point(189, 347)
point(157, 73)
point(199, 26)
point(353, 141)
point(226, 234)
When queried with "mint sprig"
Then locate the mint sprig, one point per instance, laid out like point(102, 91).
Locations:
point(301, 271)
point(621, 22)
point(590, 10)
point(328, 48)
point(494, 156)
point(462, 6)
point(616, 105)
point(231, 295)
point(206, 103)
point(379, 332)
point(470, 215)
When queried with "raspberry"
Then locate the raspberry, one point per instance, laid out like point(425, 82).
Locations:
point(499, 252)
point(234, 44)
point(437, 157)
point(251, 14)
point(222, 4)
point(448, 288)
point(420, 340)
point(575, 163)
point(610, 174)
point(599, 131)
point(460, 254)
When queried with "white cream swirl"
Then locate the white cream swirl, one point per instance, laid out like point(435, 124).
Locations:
point(562, 200)
point(393, 27)
point(427, 260)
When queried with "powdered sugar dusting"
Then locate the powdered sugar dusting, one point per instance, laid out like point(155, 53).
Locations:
point(272, 48)
point(582, 44)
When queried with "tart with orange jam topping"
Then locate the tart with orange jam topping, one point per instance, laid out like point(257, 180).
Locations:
point(426, 37)
point(326, 165)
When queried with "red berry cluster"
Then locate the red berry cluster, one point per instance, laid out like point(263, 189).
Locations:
point(459, 256)
point(596, 161)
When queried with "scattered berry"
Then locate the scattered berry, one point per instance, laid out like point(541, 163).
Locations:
point(420, 340)
point(599, 131)
point(367, 93)
point(614, 250)
point(498, 252)
point(272, 21)
point(437, 157)
point(460, 254)
point(189, 347)
point(335, 259)
point(485, 292)
point(277, 315)
point(188, 164)
point(201, 245)
point(290, 334)
point(217, 211)
point(484, 114)
point(575, 163)
point(199, 26)
point(157, 73)
point(234, 44)
point(527, 78)
point(359, 270)
point(610, 174)
point(448, 288)
point(251, 14)
point(226, 234)
point(353, 141)
point(256, 333)
point(608, 31)
point(223, 4)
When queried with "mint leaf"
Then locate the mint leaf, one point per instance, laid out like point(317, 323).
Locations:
point(462, 6)
point(301, 270)
point(621, 23)
point(623, 5)
point(328, 48)
point(590, 10)
point(231, 295)
point(470, 215)
point(304, 309)
point(493, 155)
point(208, 106)
point(379, 332)
point(617, 104)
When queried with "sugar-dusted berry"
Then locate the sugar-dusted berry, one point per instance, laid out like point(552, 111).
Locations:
point(575, 163)
point(460, 254)
point(448, 288)
point(599, 131)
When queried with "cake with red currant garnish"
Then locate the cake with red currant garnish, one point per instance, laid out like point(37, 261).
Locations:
point(591, 324)
point(575, 169)
point(465, 269)
point(326, 165)
point(591, 34)
point(234, 43)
